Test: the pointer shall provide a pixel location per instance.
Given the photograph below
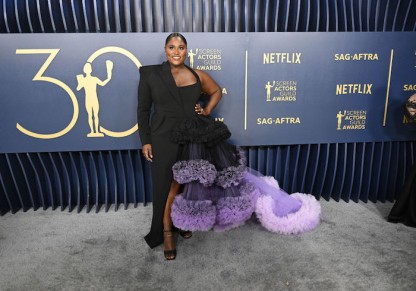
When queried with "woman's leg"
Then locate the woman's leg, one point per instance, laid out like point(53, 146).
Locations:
point(173, 191)
point(169, 244)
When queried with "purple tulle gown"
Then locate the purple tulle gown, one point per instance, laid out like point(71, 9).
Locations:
point(221, 193)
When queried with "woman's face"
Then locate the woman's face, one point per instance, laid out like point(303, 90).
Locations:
point(175, 51)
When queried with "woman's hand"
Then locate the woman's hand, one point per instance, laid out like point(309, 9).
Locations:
point(210, 88)
point(147, 152)
point(200, 110)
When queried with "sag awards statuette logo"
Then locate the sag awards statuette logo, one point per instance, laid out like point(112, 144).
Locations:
point(351, 119)
point(280, 90)
point(89, 83)
point(205, 59)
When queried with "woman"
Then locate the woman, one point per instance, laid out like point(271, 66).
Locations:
point(160, 86)
point(404, 209)
point(189, 154)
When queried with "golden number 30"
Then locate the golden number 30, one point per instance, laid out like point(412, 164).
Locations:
point(40, 77)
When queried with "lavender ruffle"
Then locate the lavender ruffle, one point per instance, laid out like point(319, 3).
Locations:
point(193, 215)
point(303, 220)
point(234, 174)
point(250, 190)
point(225, 214)
point(233, 212)
point(230, 176)
point(194, 170)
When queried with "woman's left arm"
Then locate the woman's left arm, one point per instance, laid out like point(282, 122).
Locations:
point(211, 88)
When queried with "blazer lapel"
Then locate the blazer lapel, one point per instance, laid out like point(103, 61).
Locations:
point(167, 78)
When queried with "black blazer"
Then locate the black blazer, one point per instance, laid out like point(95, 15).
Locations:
point(157, 87)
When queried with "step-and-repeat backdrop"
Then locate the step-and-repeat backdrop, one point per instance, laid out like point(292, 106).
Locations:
point(78, 92)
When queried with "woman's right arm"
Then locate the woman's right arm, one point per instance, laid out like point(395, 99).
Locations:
point(144, 106)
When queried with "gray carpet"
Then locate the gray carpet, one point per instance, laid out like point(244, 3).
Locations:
point(354, 248)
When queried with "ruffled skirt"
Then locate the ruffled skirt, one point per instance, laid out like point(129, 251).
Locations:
point(221, 193)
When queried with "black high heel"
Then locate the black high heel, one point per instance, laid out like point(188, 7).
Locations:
point(185, 234)
point(169, 254)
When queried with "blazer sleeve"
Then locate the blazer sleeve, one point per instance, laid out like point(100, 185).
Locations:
point(144, 106)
